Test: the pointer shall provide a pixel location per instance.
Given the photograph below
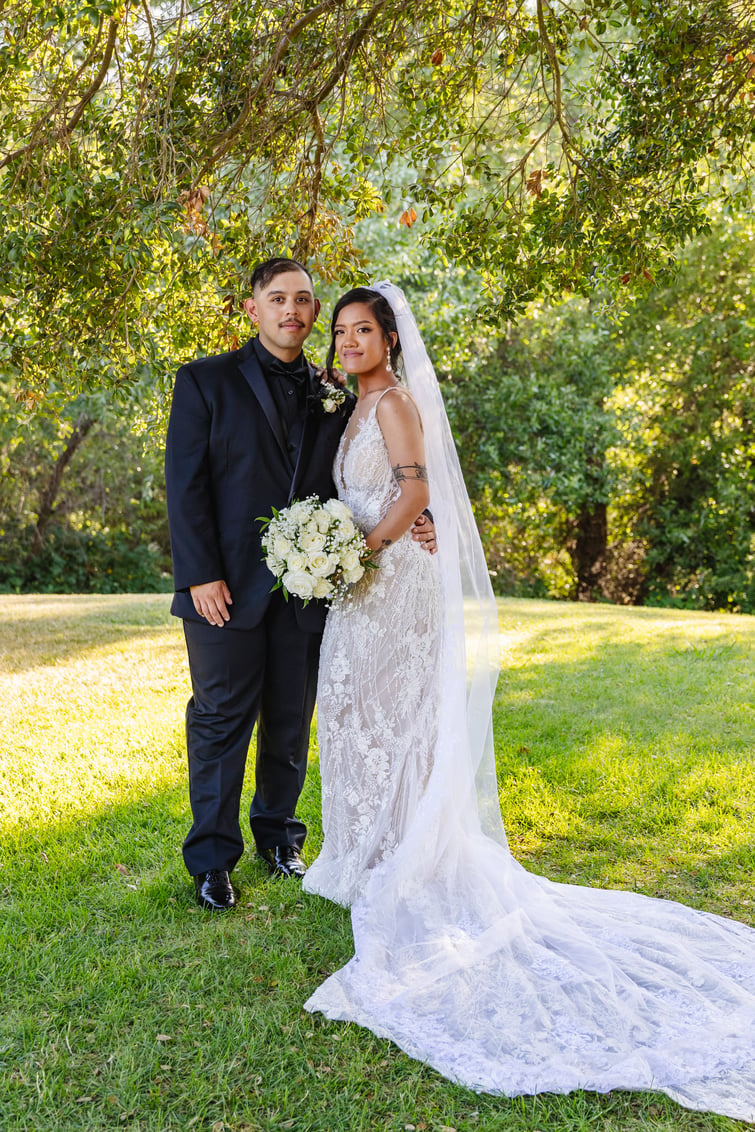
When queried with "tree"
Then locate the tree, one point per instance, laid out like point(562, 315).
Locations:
point(81, 497)
point(153, 150)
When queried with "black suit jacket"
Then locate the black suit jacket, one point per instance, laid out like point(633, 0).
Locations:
point(226, 464)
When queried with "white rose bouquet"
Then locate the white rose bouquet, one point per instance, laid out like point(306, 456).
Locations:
point(315, 549)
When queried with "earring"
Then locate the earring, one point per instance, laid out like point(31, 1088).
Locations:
point(388, 365)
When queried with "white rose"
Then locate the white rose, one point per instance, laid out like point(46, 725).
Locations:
point(319, 564)
point(322, 588)
point(350, 560)
point(338, 509)
point(354, 575)
point(312, 540)
point(300, 583)
point(296, 561)
point(323, 522)
point(298, 512)
point(275, 564)
point(281, 546)
point(347, 530)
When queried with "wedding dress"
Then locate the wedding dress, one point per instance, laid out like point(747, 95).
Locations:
point(500, 979)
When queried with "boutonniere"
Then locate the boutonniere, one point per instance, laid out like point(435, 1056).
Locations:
point(328, 396)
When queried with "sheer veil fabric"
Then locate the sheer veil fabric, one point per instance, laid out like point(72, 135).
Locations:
point(502, 980)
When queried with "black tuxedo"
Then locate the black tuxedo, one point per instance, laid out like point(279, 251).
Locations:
point(229, 460)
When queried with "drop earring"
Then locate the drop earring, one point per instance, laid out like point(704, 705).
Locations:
point(388, 365)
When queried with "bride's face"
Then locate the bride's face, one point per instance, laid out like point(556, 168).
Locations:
point(359, 340)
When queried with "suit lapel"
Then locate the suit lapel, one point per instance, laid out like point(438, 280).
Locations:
point(252, 371)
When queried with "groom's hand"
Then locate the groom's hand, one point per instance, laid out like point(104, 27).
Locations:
point(211, 601)
point(423, 532)
point(338, 377)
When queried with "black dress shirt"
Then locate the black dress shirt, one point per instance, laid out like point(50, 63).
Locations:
point(288, 383)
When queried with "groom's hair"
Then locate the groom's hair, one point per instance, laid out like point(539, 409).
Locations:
point(264, 273)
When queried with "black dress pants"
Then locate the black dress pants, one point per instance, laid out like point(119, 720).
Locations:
point(239, 677)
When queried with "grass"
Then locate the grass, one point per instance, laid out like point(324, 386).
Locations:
point(625, 741)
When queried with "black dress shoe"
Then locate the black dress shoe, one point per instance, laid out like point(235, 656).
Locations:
point(283, 861)
point(215, 891)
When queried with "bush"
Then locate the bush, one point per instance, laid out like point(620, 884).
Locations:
point(81, 561)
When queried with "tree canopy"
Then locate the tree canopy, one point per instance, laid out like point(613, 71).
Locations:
point(152, 151)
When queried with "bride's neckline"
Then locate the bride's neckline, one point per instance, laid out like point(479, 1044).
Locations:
point(359, 421)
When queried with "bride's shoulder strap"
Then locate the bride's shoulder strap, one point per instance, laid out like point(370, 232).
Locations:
point(405, 396)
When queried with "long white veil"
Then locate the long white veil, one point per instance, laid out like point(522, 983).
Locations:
point(503, 980)
point(470, 628)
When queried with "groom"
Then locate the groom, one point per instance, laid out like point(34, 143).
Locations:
point(248, 432)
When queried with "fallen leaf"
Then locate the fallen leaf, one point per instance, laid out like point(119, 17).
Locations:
point(436, 58)
point(626, 277)
point(648, 275)
point(164, 1038)
point(122, 869)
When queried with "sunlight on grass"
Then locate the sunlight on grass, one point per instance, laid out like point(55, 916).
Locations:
point(625, 742)
point(92, 694)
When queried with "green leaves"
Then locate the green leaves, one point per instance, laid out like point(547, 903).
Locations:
point(547, 150)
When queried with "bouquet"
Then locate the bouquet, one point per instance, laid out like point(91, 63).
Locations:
point(315, 549)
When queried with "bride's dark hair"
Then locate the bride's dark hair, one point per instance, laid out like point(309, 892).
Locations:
point(381, 312)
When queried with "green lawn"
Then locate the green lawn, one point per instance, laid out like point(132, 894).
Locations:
point(625, 741)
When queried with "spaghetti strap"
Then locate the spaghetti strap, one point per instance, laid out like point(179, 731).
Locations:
point(390, 389)
point(407, 395)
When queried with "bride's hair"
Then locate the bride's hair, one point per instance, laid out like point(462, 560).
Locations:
point(381, 312)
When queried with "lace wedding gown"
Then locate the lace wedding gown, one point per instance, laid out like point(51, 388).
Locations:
point(501, 980)
point(378, 689)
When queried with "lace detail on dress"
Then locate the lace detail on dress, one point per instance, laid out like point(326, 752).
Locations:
point(377, 691)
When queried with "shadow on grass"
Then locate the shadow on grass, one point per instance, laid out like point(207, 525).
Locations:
point(50, 629)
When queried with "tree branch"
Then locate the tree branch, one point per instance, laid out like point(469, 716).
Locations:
point(70, 126)
point(49, 495)
point(222, 141)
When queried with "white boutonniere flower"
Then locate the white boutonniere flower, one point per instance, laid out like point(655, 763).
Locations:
point(331, 396)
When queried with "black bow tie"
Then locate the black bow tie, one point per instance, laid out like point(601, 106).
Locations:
point(298, 373)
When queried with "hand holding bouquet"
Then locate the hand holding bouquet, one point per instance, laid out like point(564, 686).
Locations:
point(315, 549)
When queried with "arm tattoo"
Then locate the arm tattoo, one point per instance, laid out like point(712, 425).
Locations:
point(385, 542)
point(409, 472)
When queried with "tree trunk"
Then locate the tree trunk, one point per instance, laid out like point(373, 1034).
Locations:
point(589, 550)
point(48, 496)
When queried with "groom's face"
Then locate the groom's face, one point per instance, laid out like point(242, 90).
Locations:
point(284, 312)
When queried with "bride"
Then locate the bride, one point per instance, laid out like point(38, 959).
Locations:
point(501, 980)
